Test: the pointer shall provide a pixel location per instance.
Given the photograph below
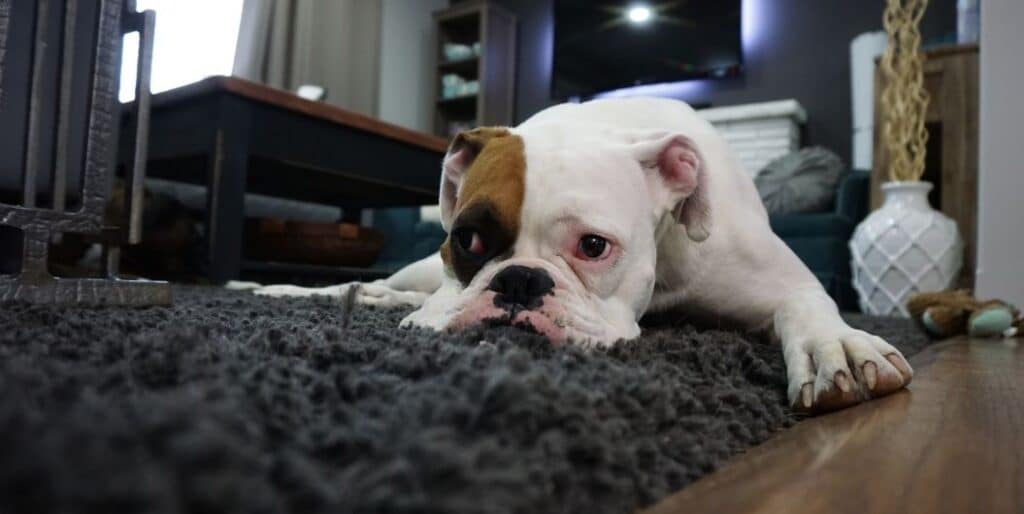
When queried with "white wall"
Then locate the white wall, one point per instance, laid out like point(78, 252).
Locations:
point(1000, 271)
point(406, 63)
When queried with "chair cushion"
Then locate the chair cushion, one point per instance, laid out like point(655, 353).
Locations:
point(823, 224)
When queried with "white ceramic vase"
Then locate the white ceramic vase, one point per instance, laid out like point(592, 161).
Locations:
point(902, 248)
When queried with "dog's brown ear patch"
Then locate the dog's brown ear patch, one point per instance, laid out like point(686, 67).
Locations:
point(462, 154)
point(477, 138)
point(497, 175)
point(491, 180)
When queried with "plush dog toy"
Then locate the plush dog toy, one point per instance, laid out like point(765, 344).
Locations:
point(950, 313)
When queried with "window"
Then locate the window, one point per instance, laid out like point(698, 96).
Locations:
point(194, 39)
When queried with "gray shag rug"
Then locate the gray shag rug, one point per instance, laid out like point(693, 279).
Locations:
point(227, 402)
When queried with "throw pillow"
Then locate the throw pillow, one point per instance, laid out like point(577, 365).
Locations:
point(801, 181)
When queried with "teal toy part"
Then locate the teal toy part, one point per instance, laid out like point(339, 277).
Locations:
point(929, 324)
point(990, 322)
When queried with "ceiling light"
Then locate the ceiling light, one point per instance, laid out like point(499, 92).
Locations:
point(639, 14)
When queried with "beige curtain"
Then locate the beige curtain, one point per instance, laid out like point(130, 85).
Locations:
point(330, 43)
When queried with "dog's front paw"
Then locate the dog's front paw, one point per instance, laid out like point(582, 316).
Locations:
point(286, 290)
point(376, 293)
point(370, 293)
point(837, 368)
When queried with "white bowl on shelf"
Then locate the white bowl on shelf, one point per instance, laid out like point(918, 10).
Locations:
point(457, 52)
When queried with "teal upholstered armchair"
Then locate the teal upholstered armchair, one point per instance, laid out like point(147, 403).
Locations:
point(821, 239)
point(409, 238)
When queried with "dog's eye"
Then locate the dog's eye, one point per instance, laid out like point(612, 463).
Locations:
point(593, 247)
point(469, 241)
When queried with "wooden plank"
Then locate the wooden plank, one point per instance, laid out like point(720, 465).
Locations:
point(291, 102)
point(942, 51)
point(959, 106)
point(953, 443)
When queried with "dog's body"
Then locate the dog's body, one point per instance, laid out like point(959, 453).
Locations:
point(587, 216)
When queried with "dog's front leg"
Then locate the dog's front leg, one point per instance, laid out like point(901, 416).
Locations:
point(411, 285)
point(831, 365)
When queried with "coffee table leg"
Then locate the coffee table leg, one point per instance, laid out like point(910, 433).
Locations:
point(225, 197)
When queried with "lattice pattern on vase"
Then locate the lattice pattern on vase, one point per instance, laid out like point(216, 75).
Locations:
point(896, 256)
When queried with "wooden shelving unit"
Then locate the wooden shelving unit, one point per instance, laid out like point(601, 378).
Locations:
point(493, 67)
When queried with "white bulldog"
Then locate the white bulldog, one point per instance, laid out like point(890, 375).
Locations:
point(587, 216)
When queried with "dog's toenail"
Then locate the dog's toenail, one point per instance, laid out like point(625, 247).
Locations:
point(842, 382)
point(870, 374)
point(901, 365)
point(806, 395)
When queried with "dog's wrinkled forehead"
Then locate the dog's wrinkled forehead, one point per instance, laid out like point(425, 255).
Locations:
point(488, 199)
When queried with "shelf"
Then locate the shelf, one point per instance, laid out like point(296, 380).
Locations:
point(465, 14)
point(468, 68)
point(460, 24)
point(457, 100)
point(459, 107)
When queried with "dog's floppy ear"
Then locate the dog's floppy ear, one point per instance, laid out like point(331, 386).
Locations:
point(461, 153)
point(677, 179)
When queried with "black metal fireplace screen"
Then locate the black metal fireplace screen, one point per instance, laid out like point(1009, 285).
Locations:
point(70, 130)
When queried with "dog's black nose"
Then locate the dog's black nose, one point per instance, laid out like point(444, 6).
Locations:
point(520, 287)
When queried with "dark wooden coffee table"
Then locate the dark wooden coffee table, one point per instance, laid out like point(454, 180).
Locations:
point(236, 136)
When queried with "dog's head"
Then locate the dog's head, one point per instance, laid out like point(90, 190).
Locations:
point(556, 228)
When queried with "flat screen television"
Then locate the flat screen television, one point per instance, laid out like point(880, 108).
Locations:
point(601, 45)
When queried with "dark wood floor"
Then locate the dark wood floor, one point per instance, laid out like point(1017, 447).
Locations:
point(952, 443)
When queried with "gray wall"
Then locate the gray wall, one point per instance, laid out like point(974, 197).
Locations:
point(801, 51)
point(1000, 172)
